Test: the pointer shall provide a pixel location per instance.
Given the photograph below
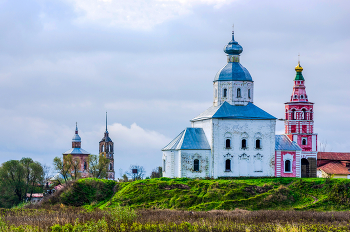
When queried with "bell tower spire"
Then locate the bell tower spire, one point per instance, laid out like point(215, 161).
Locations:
point(106, 148)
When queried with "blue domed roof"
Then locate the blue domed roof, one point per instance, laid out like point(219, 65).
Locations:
point(233, 48)
point(233, 71)
point(76, 138)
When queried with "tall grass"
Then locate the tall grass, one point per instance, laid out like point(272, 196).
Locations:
point(61, 218)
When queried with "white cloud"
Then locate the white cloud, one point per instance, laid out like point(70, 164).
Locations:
point(135, 137)
point(136, 13)
point(157, 104)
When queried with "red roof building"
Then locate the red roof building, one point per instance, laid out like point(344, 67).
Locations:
point(336, 164)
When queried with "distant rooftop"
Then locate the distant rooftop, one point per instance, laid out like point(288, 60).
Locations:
point(76, 151)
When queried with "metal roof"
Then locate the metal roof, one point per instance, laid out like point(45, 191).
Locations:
point(233, 71)
point(189, 139)
point(76, 138)
point(76, 151)
point(282, 142)
point(226, 110)
point(333, 155)
point(335, 167)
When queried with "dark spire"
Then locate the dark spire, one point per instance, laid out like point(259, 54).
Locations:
point(106, 122)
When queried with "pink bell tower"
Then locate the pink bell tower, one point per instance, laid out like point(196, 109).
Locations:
point(299, 124)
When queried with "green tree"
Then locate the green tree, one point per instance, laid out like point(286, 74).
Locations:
point(98, 166)
point(157, 172)
point(17, 178)
point(63, 166)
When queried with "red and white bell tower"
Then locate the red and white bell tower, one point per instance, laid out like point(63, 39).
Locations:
point(299, 124)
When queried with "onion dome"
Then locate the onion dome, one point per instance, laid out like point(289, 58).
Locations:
point(76, 137)
point(233, 70)
point(233, 48)
point(299, 75)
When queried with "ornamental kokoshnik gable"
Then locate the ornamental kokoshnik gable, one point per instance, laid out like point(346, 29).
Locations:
point(235, 138)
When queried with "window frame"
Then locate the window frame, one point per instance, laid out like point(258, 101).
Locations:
point(196, 165)
point(239, 93)
point(290, 166)
point(225, 92)
point(256, 142)
point(302, 141)
point(228, 142)
point(245, 144)
point(230, 165)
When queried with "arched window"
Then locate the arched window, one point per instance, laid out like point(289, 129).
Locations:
point(304, 114)
point(287, 166)
point(293, 114)
point(85, 165)
point(248, 93)
point(257, 144)
point(110, 167)
point(295, 96)
point(164, 165)
point(196, 165)
point(304, 141)
point(244, 143)
point(301, 96)
point(225, 92)
point(238, 92)
point(102, 148)
point(228, 165)
point(228, 143)
point(111, 148)
point(286, 114)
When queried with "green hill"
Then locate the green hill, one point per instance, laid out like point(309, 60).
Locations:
point(202, 195)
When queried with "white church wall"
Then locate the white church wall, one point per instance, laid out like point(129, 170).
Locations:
point(187, 163)
point(244, 162)
point(170, 162)
point(232, 97)
point(180, 163)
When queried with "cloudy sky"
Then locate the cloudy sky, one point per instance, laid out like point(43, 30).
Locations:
point(151, 63)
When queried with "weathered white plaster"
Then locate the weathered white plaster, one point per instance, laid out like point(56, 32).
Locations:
point(231, 96)
point(180, 163)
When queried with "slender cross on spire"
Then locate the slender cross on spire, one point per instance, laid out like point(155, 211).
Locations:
point(298, 58)
point(233, 32)
point(76, 127)
point(106, 122)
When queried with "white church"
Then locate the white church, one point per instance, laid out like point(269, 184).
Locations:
point(233, 137)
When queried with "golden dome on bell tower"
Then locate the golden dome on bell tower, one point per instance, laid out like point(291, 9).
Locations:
point(298, 68)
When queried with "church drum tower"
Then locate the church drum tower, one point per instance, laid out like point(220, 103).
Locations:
point(299, 124)
point(78, 153)
point(106, 147)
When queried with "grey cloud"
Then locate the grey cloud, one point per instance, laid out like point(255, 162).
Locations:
point(54, 71)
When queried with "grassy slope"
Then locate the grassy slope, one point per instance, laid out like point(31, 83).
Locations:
point(252, 194)
point(249, 193)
